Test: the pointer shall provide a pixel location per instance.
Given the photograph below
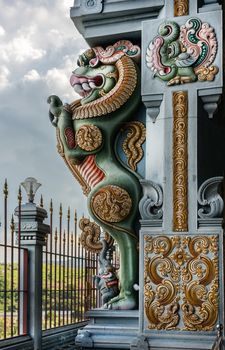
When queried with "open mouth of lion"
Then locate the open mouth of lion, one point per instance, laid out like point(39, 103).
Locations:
point(84, 85)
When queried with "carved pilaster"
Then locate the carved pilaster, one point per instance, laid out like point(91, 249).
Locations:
point(180, 161)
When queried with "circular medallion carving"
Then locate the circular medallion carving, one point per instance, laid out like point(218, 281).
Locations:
point(89, 137)
point(90, 3)
point(111, 203)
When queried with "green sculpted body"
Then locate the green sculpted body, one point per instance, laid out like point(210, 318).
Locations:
point(87, 133)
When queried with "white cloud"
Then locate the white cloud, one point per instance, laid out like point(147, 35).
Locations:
point(21, 49)
point(39, 49)
point(57, 79)
point(2, 31)
point(4, 75)
point(32, 75)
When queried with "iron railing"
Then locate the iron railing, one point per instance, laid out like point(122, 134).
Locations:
point(13, 275)
point(67, 289)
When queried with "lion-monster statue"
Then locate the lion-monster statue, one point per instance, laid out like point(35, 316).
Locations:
point(108, 82)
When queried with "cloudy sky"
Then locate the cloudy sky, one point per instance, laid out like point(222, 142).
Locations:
point(39, 46)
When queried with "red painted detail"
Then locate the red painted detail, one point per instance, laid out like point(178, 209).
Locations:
point(70, 138)
point(90, 171)
point(112, 283)
point(167, 70)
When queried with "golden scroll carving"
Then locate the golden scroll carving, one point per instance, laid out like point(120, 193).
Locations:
point(180, 161)
point(181, 8)
point(111, 203)
point(90, 237)
point(132, 145)
point(89, 137)
point(181, 282)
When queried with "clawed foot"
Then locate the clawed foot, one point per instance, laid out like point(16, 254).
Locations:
point(180, 80)
point(121, 302)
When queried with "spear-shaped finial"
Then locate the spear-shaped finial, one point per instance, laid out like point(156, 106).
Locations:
point(5, 190)
point(12, 226)
point(51, 206)
point(60, 210)
point(75, 215)
point(41, 202)
point(68, 213)
point(19, 197)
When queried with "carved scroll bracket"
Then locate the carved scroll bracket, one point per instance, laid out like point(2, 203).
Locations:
point(209, 197)
point(211, 100)
point(150, 205)
point(152, 103)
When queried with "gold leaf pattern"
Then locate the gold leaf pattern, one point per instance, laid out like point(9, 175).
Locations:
point(111, 203)
point(90, 236)
point(206, 73)
point(180, 161)
point(89, 137)
point(181, 282)
point(181, 8)
point(133, 142)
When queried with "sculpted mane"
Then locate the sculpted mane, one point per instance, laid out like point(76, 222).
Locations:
point(113, 100)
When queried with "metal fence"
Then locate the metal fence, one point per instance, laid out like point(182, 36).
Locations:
point(67, 289)
point(13, 276)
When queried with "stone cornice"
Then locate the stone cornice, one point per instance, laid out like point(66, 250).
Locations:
point(101, 19)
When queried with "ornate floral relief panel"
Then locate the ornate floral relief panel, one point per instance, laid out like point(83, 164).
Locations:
point(181, 282)
point(185, 53)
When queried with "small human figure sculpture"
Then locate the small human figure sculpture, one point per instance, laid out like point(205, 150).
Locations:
point(106, 280)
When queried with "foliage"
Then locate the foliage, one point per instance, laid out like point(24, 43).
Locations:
point(66, 293)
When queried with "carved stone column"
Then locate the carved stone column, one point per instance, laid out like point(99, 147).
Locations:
point(181, 255)
point(33, 234)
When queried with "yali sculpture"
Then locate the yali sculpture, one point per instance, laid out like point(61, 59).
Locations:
point(87, 132)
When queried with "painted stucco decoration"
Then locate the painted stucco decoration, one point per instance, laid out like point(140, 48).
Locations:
point(183, 54)
point(111, 203)
point(181, 8)
point(132, 144)
point(89, 137)
point(106, 280)
point(180, 161)
point(108, 82)
point(91, 238)
point(181, 282)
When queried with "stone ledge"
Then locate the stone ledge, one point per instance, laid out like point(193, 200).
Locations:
point(116, 19)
